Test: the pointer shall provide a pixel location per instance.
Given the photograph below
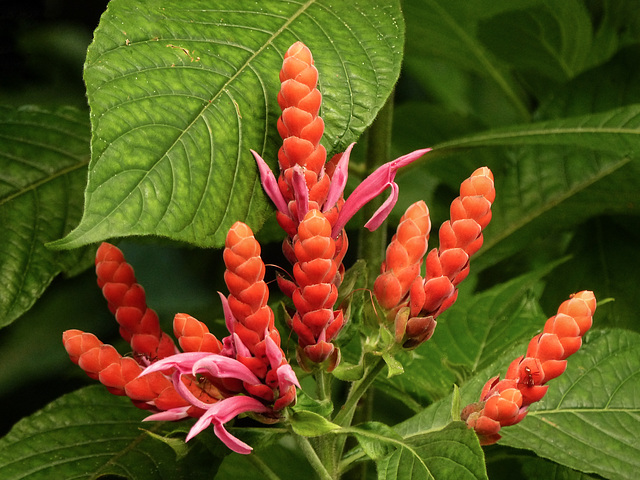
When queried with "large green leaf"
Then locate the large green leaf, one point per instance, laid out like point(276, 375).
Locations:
point(452, 452)
point(588, 419)
point(43, 156)
point(87, 434)
point(179, 94)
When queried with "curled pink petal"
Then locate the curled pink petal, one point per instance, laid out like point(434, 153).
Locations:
point(371, 187)
point(338, 180)
point(182, 362)
point(220, 413)
point(270, 184)
point(384, 210)
point(185, 393)
point(169, 415)
point(229, 319)
point(286, 377)
point(224, 367)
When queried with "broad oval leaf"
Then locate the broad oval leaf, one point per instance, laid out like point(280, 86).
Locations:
point(453, 452)
point(179, 94)
point(85, 435)
point(590, 418)
point(42, 176)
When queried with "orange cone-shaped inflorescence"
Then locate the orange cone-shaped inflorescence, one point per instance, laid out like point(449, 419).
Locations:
point(251, 320)
point(317, 276)
point(126, 298)
point(301, 129)
point(505, 402)
point(403, 257)
point(446, 266)
point(121, 375)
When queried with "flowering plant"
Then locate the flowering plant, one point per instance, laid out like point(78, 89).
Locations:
point(331, 349)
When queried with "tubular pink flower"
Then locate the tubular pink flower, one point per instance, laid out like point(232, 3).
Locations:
point(182, 362)
point(170, 415)
point(370, 188)
point(270, 184)
point(301, 191)
point(220, 413)
point(338, 180)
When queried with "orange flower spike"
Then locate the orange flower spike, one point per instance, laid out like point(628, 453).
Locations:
point(245, 276)
point(448, 265)
point(403, 256)
point(194, 336)
point(316, 274)
point(528, 375)
point(139, 324)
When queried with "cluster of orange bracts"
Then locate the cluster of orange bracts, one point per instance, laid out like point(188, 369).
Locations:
point(414, 302)
point(505, 402)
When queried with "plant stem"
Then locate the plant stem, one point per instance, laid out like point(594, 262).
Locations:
point(263, 468)
point(372, 245)
point(312, 457)
point(358, 389)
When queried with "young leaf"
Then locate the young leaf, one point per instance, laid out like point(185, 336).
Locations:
point(83, 435)
point(453, 452)
point(42, 176)
point(309, 424)
point(589, 418)
point(179, 94)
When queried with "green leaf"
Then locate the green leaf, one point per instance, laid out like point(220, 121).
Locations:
point(310, 424)
point(42, 176)
point(179, 95)
point(86, 434)
point(453, 452)
point(446, 32)
point(590, 417)
point(377, 440)
point(551, 39)
point(616, 131)
point(282, 461)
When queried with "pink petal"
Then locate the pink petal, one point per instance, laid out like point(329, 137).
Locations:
point(270, 184)
point(220, 413)
point(384, 210)
point(169, 415)
point(286, 377)
point(229, 319)
point(274, 354)
point(371, 187)
point(338, 180)
point(183, 362)
point(225, 367)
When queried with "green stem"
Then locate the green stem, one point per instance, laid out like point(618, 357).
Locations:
point(312, 457)
point(372, 245)
point(263, 468)
point(358, 389)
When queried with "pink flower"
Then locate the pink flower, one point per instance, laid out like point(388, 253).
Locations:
point(370, 188)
